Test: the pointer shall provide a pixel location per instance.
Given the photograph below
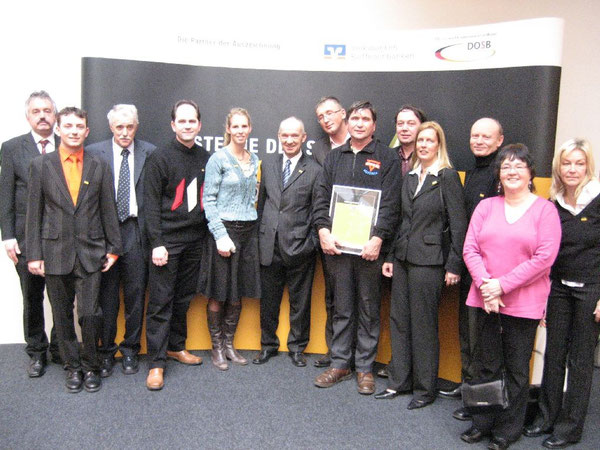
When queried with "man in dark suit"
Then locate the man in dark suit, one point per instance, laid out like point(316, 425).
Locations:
point(17, 154)
point(287, 243)
point(332, 118)
point(72, 234)
point(126, 156)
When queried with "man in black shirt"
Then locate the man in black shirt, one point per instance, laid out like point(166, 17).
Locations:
point(480, 182)
point(365, 163)
point(176, 229)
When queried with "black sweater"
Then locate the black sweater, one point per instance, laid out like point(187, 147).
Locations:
point(579, 254)
point(480, 182)
point(168, 173)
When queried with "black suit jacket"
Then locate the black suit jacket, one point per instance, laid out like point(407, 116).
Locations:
point(17, 154)
point(57, 231)
point(141, 150)
point(419, 240)
point(321, 149)
point(286, 213)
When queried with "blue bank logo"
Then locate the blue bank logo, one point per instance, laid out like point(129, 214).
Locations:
point(336, 51)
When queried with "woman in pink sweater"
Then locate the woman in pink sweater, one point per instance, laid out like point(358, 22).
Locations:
point(510, 246)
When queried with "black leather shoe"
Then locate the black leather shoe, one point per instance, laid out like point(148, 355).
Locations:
point(388, 394)
point(420, 403)
point(535, 430)
point(498, 444)
point(556, 442)
point(74, 382)
point(264, 355)
point(91, 381)
point(383, 372)
point(462, 414)
point(130, 365)
point(298, 359)
point(472, 435)
point(106, 367)
point(37, 368)
point(323, 361)
point(450, 393)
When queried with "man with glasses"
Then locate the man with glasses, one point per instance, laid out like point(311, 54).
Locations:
point(332, 118)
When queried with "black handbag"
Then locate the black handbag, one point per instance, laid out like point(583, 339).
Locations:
point(486, 397)
point(482, 398)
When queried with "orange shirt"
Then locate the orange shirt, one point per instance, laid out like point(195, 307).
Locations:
point(72, 164)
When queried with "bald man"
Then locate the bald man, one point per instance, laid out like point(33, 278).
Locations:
point(480, 182)
point(287, 242)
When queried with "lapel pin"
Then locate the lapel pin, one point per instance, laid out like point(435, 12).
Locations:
point(584, 219)
point(433, 183)
point(86, 182)
point(482, 195)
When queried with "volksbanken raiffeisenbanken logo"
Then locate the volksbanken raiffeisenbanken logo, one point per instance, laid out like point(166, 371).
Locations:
point(334, 51)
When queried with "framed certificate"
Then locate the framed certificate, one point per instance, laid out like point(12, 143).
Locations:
point(354, 214)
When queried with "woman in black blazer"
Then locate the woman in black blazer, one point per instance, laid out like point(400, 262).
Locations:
point(427, 252)
point(573, 311)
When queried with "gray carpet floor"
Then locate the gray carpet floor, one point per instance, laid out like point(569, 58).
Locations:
point(273, 406)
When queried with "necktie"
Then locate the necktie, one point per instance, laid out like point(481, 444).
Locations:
point(286, 172)
point(123, 188)
point(44, 142)
point(74, 180)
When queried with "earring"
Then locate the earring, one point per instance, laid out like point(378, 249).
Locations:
point(530, 185)
point(499, 188)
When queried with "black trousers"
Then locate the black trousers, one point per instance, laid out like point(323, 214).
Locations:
point(299, 279)
point(506, 343)
point(357, 300)
point(328, 299)
point(467, 326)
point(416, 293)
point(172, 288)
point(32, 288)
point(62, 290)
point(130, 271)
point(572, 335)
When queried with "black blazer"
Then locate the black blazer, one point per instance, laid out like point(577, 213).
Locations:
point(419, 240)
point(17, 154)
point(56, 230)
point(141, 150)
point(286, 213)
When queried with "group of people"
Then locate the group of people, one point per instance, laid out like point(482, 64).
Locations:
point(180, 222)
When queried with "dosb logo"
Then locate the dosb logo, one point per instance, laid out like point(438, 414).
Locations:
point(337, 51)
point(466, 51)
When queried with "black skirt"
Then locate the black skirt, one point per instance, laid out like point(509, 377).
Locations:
point(230, 279)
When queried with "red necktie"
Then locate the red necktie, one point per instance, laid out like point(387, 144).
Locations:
point(44, 142)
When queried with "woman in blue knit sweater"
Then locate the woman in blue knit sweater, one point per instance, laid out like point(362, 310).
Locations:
point(230, 268)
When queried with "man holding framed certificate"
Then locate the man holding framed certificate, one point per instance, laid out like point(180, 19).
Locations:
point(356, 213)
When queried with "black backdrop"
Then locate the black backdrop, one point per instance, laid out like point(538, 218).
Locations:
point(523, 99)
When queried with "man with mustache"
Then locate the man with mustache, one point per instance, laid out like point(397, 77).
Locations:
point(17, 154)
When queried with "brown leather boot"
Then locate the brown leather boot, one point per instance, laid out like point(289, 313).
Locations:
point(215, 328)
point(232, 317)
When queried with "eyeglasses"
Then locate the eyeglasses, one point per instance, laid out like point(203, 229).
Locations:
point(517, 167)
point(327, 115)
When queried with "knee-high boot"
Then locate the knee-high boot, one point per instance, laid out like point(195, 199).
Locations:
point(215, 328)
point(232, 317)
